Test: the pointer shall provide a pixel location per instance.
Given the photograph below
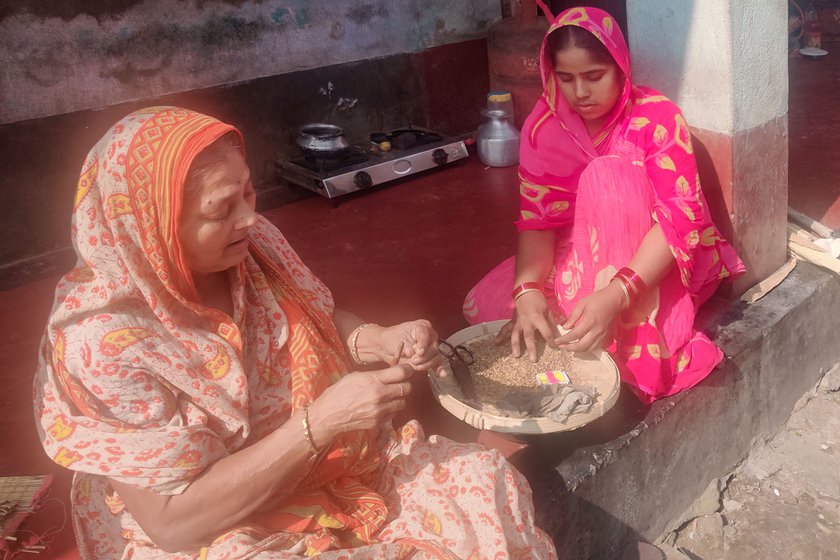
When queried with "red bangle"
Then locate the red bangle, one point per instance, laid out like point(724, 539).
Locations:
point(635, 280)
point(520, 289)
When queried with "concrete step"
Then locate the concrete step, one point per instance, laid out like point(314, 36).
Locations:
point(629, 474)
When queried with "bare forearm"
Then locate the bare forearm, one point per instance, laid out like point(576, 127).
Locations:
point(345, 322)
point(368, 342)
point(653, 259)
point(226, 493)
point(534, 255)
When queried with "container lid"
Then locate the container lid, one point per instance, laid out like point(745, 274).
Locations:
point(498, 96)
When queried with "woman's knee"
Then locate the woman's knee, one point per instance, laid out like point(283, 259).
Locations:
point(614, 186)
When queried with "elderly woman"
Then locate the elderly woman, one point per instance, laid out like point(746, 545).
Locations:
point(196, 376)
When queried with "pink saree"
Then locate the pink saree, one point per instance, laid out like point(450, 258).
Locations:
point(141, 383)
point(602, 195)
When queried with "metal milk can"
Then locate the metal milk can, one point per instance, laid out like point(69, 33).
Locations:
point(498, 140)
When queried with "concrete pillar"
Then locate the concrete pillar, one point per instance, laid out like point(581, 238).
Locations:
point(724, 62)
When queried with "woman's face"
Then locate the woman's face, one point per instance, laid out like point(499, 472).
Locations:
point(216, 216)
point(591, 88)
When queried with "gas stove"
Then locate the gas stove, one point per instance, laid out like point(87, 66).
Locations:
point(412, 150)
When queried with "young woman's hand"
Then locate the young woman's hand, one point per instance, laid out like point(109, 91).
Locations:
point(361, 400)
point(419, 342)
point(590, 323)
point(531, 315)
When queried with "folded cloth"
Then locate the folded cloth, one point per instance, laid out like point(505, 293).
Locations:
point(556, 402)
point(567, 400)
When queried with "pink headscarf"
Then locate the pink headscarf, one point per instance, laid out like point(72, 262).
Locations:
point(644, 127)
point(553, 157)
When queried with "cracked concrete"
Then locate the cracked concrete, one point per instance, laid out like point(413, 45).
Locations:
point(783, 500)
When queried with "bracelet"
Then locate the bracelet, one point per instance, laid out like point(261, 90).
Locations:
point(354, 351)
point(525, 291)
point(628, 288)
point(307, 435)
point(624, 289)
point(635, 280)
point(526, 286)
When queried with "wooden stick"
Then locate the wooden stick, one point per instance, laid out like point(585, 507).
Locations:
point(398, 354)
point(808, 222)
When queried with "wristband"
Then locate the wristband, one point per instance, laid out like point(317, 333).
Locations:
point(526, 286)
point(354, 351)
point(307, 435)
point(624, 289)
point(637, 284)
point(525, 291)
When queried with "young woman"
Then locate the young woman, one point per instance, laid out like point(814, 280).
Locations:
point(615, 240)
point(196, 376)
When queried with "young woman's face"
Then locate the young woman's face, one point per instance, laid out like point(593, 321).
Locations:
point(591, 88)
point(216, 217)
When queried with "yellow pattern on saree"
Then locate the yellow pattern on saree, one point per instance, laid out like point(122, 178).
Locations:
point(218, 366)
point(660, 135)
point(86, 181)
point(665, 162)
point(118, 205)
point(118, 340)
point(573, 17)
point(531, 192)
point(682, 136)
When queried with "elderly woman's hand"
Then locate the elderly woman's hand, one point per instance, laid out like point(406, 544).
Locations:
point(418, 342)
point(361, 400)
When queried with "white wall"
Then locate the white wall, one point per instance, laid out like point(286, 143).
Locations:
point(724, 62)
point(50, 65)
point(760, 66)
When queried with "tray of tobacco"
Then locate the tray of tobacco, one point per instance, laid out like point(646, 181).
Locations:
point(489, 389)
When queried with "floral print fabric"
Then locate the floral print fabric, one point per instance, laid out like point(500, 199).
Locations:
point(139, 382)
point(649, 134)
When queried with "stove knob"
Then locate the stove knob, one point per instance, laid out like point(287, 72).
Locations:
point(362, 180)
point(440, 156)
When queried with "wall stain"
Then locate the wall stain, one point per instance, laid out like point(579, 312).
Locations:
point(337, 31)
point(42, 61)
point(364, 13)
point(299, 16)
point(66, 10)
point(218, 32)
point(131, 75)
point(110, 51)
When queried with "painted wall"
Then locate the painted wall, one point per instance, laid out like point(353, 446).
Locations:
point(60, 57)
point(724, 62)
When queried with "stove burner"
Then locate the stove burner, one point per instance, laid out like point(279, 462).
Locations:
point(407, 138)
point(413, 150)
point(352, 156)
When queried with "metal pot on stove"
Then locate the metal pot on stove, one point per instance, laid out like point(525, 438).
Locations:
point(322, 140)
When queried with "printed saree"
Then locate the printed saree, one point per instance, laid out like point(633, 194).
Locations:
point(139, 382)
point(656, 347)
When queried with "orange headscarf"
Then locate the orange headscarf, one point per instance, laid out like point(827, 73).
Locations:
point(140, 382)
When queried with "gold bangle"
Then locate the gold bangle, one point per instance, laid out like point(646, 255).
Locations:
point(307, 435)
point(626, 292)
point(525, 291)
point(354, 351)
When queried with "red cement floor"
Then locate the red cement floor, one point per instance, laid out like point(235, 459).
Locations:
point(814, 180)
point(408, 250)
